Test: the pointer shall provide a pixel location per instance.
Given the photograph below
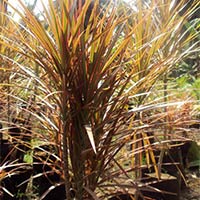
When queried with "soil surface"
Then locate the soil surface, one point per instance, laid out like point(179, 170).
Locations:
point(192, 191)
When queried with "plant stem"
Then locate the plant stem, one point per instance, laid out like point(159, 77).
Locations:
point(165, 109)
point(65, 140)
point(66, 163)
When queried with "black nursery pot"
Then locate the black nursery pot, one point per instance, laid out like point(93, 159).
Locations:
point(122, 197)
point(49, 185)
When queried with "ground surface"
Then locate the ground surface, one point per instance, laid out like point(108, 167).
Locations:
point(192, 192)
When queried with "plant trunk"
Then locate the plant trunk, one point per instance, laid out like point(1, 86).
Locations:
point(66, 162)
point(77, 157)
point(165, 108)
point(64, 131)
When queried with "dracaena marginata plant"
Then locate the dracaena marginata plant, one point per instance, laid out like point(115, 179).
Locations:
point(76, 67)
point(162, 40)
